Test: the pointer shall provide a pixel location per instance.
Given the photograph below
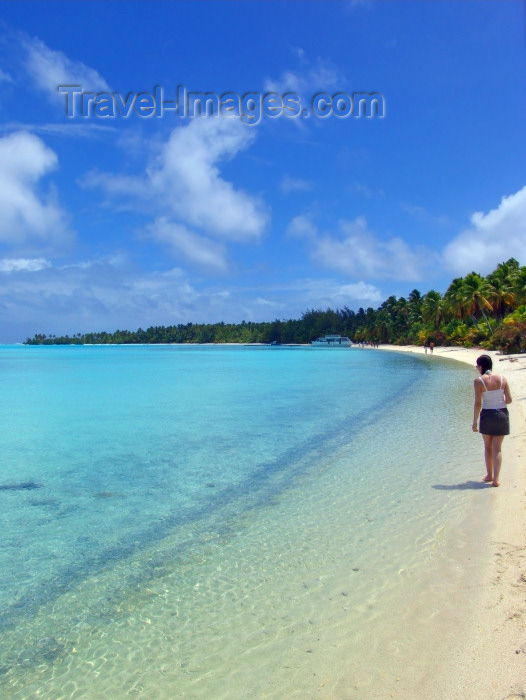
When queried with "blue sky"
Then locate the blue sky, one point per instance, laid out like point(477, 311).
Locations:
point(112, 222)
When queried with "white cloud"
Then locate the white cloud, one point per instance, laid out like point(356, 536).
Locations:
point(287, 82)
point(361, 254)
point(290, 299)
point(29, 219)
point(309, 77)
point(97, 295)
point(197, 210)
point(23, 264)
point(361, 189)
point(264, 302)
point(358, 253)
point(131, 191)
point(423, 216)
point(189, 245)
point(365, 191)
point(186, 173)
point(302, 226)
point(50, 68)
point(289, 184)
point(69, 129)
point(301, 294)
point(492, 238)
point(366, 294)
point(108, 294)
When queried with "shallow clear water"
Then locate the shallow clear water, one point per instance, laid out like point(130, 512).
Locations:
point(187, 521)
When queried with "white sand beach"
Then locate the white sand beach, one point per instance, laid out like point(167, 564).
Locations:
point(487, 660)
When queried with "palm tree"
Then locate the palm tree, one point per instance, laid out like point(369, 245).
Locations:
point(402, 308)
point(432, 308)
point(454, 299)
point(414, 303)
point(506, 269)
point(518, 285)
point(383, 325)
point(389, 304)
point(502, 294)
point(476, 293)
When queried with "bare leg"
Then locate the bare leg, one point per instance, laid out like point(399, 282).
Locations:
point(496, 447)
point(488, 457)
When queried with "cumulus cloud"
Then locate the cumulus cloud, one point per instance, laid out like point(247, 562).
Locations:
point(357, 252)
point(198, 211)
point(360, 292)
point(49, 69)
point(190, 246)
point(186, 172)
point(492, 238)
point(29, 218)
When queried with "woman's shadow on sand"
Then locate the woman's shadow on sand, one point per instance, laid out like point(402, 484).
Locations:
point(473, 485)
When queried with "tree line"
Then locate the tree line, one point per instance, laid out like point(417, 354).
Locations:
point(489, 312)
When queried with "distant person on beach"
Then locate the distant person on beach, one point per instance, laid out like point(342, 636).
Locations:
point(492, 394)
point(431, 346)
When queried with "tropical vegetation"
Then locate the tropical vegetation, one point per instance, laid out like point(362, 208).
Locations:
point(488, 312)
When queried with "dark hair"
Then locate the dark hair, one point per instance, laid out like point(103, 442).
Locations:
point(485, 362)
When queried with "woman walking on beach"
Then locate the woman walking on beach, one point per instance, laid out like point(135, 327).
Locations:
point(492, 394)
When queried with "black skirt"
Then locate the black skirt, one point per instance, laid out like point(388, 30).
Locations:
point(494, 421)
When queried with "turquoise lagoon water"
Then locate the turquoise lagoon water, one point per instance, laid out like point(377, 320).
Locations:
point(225, 522)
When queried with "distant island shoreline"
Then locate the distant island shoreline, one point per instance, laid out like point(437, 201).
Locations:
point(475, 311)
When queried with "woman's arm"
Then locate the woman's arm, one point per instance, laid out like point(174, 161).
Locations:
point(477, 384)
point(506, 389)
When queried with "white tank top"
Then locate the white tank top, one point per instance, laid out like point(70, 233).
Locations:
point(494, 398)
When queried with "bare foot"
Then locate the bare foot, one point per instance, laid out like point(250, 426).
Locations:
point(487, 479)
point(496, 483)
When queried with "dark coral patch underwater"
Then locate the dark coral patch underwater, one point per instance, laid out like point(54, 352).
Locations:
point(20, 486)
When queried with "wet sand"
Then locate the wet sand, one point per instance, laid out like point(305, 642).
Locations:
point(485, 658)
